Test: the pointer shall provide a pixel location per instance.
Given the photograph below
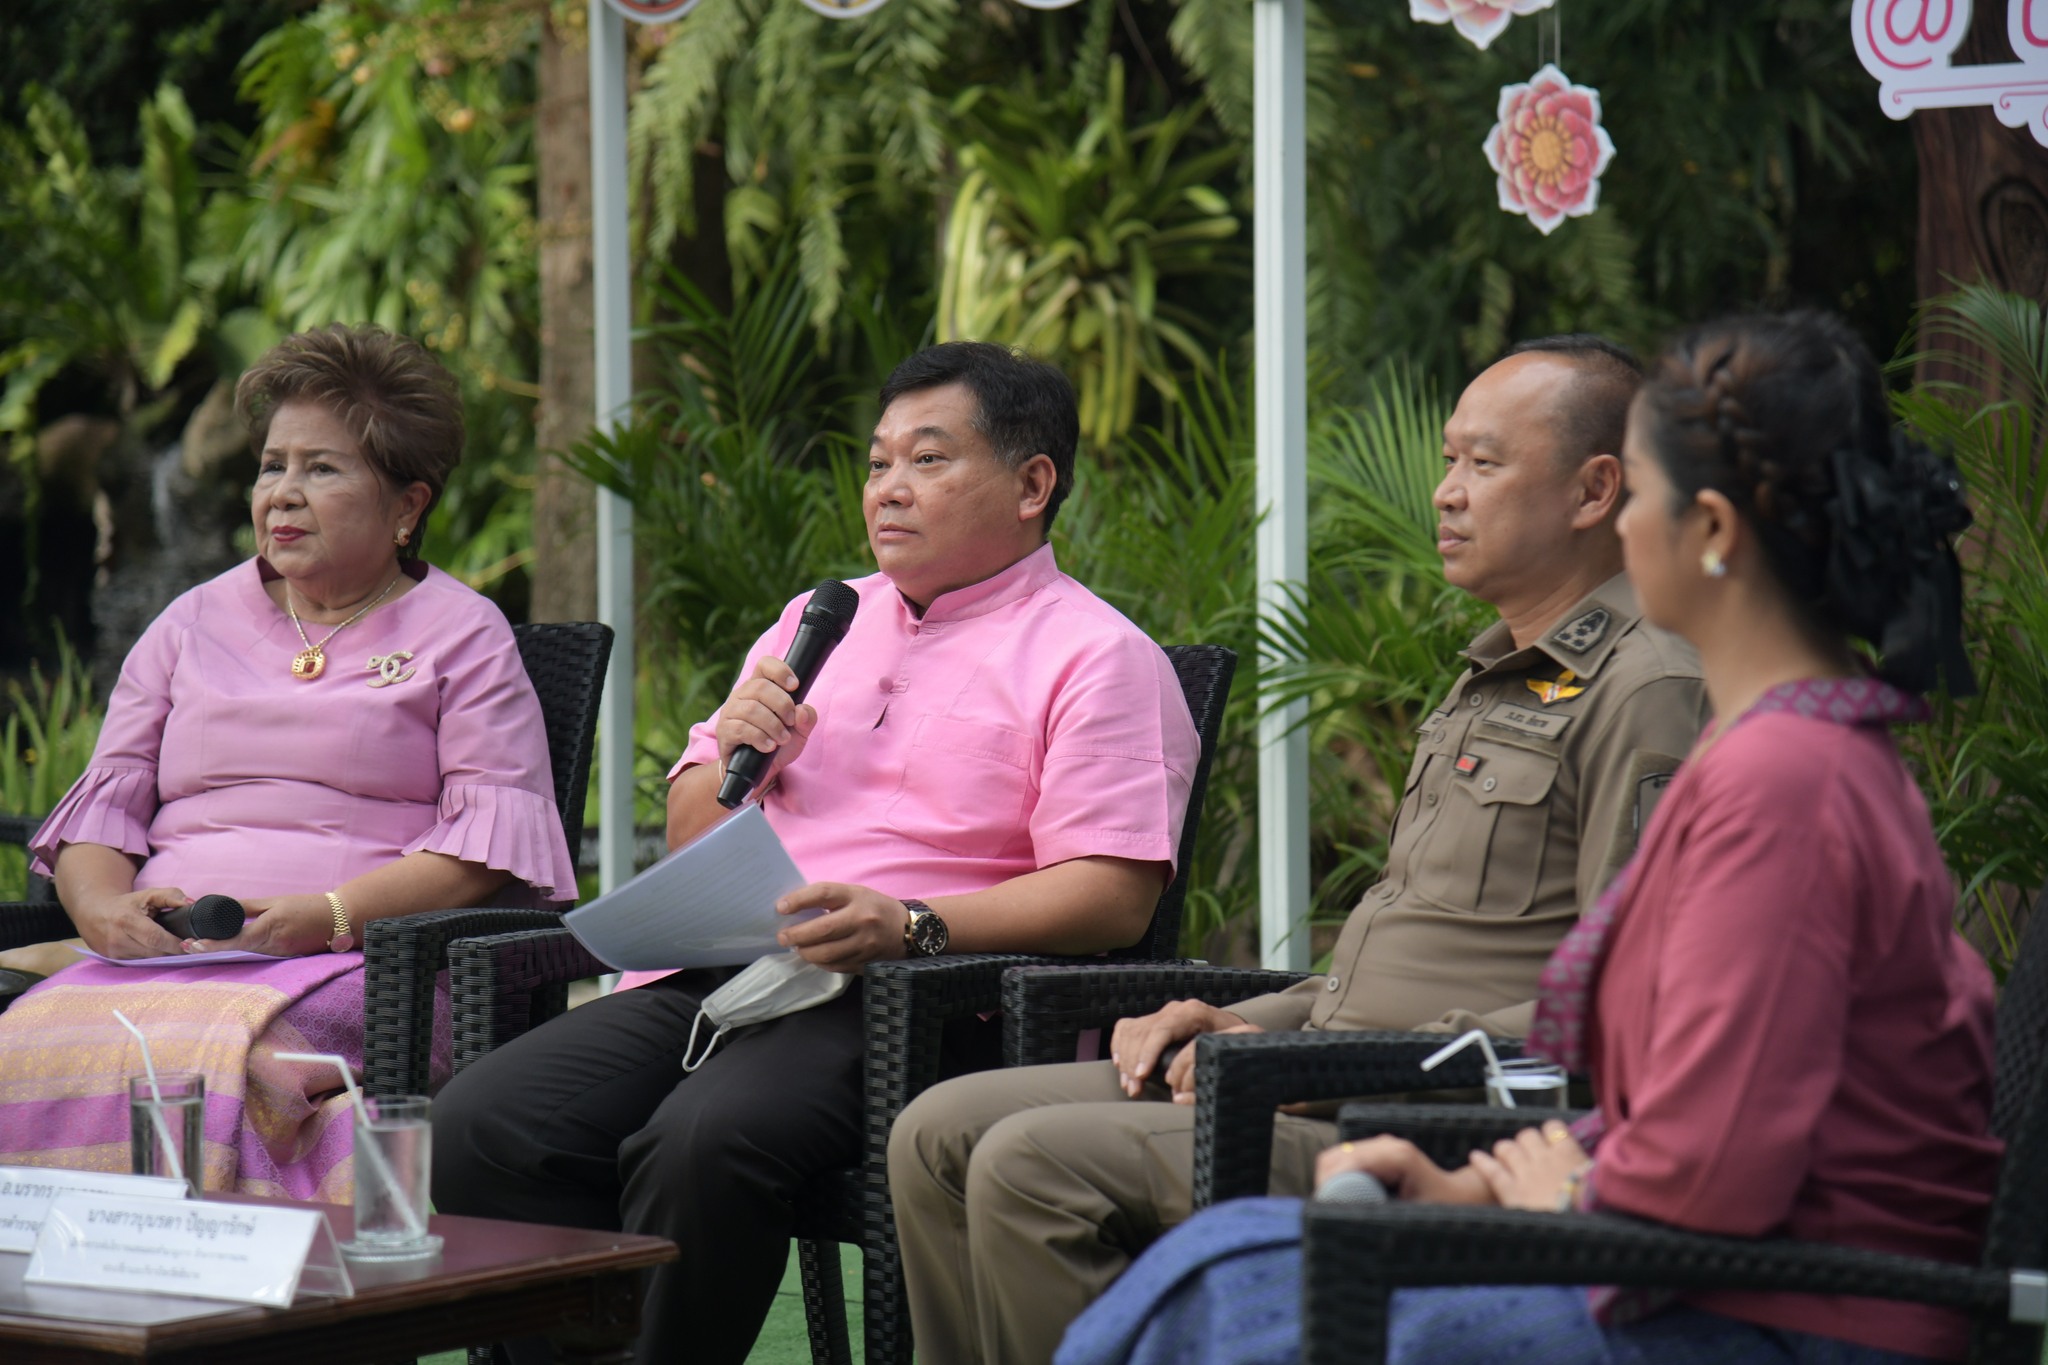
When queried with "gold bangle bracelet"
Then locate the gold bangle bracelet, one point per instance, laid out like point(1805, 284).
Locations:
point(344, 938)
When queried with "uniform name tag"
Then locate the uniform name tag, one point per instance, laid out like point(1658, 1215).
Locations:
point(245, 1253)
point(26, 1193)
point(1528, 720)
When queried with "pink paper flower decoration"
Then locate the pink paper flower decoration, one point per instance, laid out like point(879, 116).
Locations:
point(1549, 149)
point(1479, 20)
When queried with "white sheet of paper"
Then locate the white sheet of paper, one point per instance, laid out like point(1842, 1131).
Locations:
point(711, 903)
point(26, 1193)
point(184, 959)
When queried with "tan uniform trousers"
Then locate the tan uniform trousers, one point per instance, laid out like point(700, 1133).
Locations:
point(1022, 1194)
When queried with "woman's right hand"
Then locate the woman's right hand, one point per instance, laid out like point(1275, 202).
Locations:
point(122, 926)
point(761, 714)
point(1407, 1173)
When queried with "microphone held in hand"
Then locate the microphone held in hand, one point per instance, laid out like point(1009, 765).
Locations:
point(1351, 1187)
point(824, 624)
point(209, 917)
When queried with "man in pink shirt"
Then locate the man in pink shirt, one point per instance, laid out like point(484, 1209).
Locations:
point(993, 759)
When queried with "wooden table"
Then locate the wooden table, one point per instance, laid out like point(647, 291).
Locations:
point(491, 1281)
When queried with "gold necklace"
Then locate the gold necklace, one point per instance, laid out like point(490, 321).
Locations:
point(310, 662)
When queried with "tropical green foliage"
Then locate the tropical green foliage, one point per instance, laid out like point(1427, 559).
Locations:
point(389, 180)
point(107, 269)
point(45, 743)
point(1063, 228)
point(1984, 761)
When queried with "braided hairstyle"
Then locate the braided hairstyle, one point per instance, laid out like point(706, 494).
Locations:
point(1785, 416)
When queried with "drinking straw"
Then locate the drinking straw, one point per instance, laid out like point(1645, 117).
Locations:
point(1459, 1044)
point(156, 1112)
point(376, 1154)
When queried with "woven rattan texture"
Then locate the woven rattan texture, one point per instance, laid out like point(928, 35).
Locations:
point(1357, 1256)
point(26, 922)
point(1241, 1077)
point(1047, 1009)
point(1205, 672)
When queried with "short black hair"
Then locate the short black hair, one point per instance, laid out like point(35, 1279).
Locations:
point(1593, 416)
point(1023, 406)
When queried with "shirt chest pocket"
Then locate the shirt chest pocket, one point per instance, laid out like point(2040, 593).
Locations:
point(1487, 851)
point(966, 788)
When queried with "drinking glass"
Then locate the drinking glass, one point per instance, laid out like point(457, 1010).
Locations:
point(1525, 1083)
point(166, 1136)
point(394, 1163)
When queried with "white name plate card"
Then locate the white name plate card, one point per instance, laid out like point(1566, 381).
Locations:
point(246, 1253)
point(26, 1193)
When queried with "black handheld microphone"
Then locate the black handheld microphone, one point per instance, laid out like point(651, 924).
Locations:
point(212, 917)
point(825, 621)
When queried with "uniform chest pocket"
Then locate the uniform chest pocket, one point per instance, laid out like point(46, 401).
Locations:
point(1487, 853)
point(966, 788)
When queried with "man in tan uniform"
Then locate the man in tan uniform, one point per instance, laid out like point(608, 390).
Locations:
point(1020, 1195)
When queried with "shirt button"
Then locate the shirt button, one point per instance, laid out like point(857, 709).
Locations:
point(1331, 984)
point(1437, 738)
point(1475, 699)
point(1429, 800)
point(888, 684)
point(1384, 889)
point(1489, 784)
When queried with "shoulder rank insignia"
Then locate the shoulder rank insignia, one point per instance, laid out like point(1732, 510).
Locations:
point(1560, 690)
point(1583, 632)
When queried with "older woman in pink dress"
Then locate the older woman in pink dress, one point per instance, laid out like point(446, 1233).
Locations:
point(332, 733)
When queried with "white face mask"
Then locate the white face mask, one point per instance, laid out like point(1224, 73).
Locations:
point(775, 985)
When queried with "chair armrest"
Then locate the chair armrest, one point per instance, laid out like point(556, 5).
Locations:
point(1354, 1257)
point(401, 958)
point(1446, 1133)
point(26, 922)
point(507, 984)
point(1241, 1077)
point(1046, 1009)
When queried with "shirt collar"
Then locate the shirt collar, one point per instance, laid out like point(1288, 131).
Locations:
point(1845, 701)
point(1580, 640)
point(1013, 584)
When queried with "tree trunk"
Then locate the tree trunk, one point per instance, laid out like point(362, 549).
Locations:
point(564, 504)
point(1983, 187)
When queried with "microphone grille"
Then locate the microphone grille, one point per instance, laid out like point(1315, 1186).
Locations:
point(836, 600)
point(1352, 1187)
point(216, 917)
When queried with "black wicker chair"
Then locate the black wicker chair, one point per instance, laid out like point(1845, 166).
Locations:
point(566, 662)
point(1357, 1256)
point(1239, 1078)
point(506, 985)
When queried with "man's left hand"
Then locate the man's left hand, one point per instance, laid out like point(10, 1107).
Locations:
point(861, 925)
point(283, 926)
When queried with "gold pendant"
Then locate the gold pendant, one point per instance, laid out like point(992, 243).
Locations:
point(308, 664)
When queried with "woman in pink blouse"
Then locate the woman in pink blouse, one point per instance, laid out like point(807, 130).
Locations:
point(331, 733)
point(1784, 1033)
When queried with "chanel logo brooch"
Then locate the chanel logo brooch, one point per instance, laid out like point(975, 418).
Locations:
point(389, 668)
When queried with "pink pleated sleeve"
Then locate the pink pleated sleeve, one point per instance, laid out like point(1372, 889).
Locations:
point(114, 800)
point(497, 803)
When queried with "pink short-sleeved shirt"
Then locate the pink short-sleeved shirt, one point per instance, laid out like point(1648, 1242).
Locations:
point(1021, 722)
point(224, 773)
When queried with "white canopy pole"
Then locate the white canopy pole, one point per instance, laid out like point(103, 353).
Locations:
point(611, 272)
point(1279, 282)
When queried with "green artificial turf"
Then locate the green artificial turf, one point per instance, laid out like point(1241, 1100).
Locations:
point(783, 1341)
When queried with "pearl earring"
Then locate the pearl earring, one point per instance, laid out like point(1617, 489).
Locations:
point(1712, 565)
point(404, 537)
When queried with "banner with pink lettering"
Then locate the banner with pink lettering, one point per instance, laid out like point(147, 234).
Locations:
point(1906, 46)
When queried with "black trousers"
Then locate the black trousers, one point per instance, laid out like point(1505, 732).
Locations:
point(589, 1121)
